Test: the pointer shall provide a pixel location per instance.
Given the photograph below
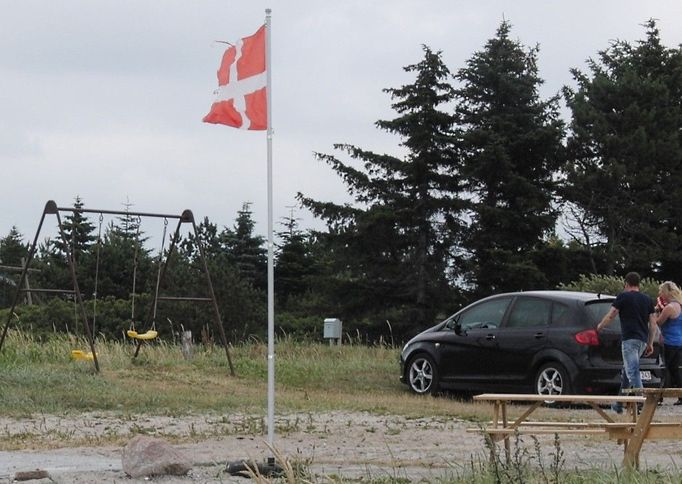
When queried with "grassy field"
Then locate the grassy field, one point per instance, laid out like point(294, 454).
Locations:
point(39, 378)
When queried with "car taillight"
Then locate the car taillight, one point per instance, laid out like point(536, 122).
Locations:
point(589, 337)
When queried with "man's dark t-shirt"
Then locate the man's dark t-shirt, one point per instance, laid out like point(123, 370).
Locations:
point(634, 309)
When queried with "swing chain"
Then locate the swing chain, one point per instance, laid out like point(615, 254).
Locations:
point(158, 275)
point(135, 265)
point(94, 294)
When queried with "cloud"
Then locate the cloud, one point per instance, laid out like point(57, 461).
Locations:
point(105, 99)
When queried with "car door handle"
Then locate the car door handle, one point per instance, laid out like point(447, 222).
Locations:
point(490, 337)
point(539, 335)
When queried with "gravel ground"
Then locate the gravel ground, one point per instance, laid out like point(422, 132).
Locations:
point(353, 445)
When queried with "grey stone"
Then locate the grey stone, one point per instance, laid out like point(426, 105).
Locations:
point(31, 475)
point(148, 456)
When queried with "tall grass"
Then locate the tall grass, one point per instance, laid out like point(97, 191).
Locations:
point(37, 377)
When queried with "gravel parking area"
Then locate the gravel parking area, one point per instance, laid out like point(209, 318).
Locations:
point(336, 443)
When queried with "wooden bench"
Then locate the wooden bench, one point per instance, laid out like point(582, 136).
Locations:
point(502, 427)
point(631, 432)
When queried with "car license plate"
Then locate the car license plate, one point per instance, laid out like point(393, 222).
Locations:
point(645, 375)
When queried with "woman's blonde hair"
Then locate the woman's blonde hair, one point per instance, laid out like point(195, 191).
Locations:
point(671, 291)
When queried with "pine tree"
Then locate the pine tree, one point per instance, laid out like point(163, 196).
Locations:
point(129, 226)
point(245, 249)
point(13, 251)
point(510, 143)
point(78, 231)
point(294, 265)
point(391, 249)
point(12, 248)
point(625, 151)
point(207, 233)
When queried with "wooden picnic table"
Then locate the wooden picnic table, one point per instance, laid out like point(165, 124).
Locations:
point(645, 427)
point(631, 432)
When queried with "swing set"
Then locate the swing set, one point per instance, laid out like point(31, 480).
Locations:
point(140, 338)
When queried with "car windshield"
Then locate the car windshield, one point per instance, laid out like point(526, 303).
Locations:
point(598, 309)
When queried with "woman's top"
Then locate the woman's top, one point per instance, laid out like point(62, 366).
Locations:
point(672, 330)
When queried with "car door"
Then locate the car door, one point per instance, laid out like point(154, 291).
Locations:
point(523, 333)
point(471, 344)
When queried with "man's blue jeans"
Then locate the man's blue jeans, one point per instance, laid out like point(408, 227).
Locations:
point(632, 350)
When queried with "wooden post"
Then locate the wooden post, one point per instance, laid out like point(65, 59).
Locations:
point(187, 345)
point(29, 298)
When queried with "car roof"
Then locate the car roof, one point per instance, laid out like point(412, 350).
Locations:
point(562, 295)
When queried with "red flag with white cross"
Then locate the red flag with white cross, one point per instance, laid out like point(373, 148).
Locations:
point(241, 97)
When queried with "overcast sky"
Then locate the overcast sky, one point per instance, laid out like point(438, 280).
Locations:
point(104, 99)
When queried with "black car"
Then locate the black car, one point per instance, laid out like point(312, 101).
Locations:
point(527, 342)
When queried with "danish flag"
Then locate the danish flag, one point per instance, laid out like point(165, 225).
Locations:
point(241, 97)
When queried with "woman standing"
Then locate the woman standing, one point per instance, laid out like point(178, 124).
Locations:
point(669, 319)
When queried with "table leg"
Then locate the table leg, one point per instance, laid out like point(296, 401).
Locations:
point(492, 439)
point(640, 431)
point(507, 449)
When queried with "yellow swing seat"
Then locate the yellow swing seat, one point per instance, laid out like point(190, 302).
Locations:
point(151, 334)
point(80, 355)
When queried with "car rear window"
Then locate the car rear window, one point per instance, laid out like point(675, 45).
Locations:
point(598, 309)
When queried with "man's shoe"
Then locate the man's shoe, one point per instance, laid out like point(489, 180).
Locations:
point(678, 402)
point(618, 408)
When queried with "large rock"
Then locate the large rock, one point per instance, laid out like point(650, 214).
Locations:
point(146, 456)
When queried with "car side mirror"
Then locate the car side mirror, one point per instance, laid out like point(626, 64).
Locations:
point(458, 329)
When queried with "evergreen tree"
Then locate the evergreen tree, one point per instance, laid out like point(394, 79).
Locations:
point(293, 265)
point(246, 249)
point(128, 226)
point(116, 266)
point(12, 251)
point(392, 248)
point(510, 144)
point(625, 151)
point(78, 231)
point(54, 272)
point(12, 248)
point(241, 302)
point(207, 233)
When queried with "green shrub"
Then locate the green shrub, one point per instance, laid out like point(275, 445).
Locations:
point(608, 285)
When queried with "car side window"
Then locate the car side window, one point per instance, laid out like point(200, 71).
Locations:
point(488, 314)
point(561, 315)
point(529, 312)
point(450, 323)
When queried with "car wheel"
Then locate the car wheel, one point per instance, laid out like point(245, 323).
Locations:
point(422, 375)
point(552, 379)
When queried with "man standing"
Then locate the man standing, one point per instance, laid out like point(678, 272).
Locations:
point(638, 328)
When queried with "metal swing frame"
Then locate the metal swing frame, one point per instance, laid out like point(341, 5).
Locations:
point(187, 216)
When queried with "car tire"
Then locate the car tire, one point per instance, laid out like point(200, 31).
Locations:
point(552, 379)
point(422, 375)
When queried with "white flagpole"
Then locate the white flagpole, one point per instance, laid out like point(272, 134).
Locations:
point(271, 271)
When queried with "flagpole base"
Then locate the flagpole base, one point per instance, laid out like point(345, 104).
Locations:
point(248, 468)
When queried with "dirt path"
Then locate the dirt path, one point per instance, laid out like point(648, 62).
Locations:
point(338, 443)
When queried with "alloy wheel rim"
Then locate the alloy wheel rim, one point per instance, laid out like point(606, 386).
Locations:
point(550, 382)
point(421, 376)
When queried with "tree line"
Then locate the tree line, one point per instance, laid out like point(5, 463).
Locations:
point(493, 192)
